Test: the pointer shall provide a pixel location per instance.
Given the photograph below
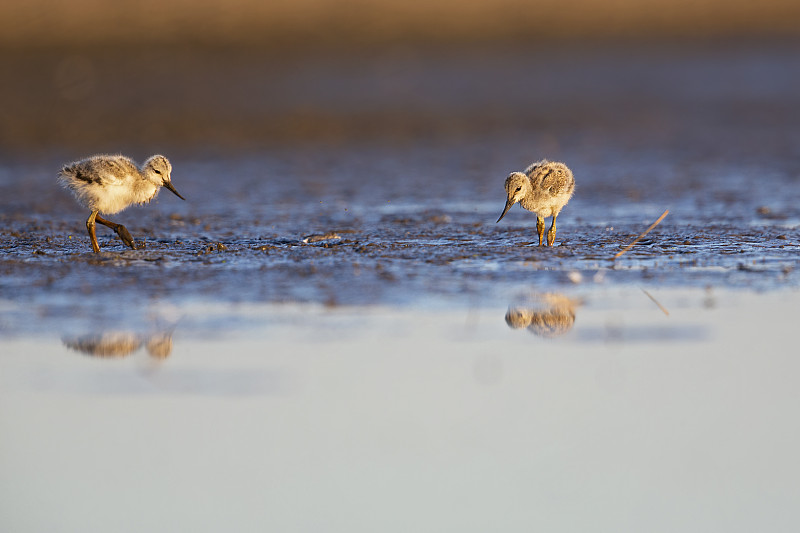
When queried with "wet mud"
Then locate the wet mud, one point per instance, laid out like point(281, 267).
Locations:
point(328, 238)
point(399, 259)
point(400, 215)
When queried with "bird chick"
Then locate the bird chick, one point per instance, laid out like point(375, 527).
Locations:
point(544, 188)
point(110, 183)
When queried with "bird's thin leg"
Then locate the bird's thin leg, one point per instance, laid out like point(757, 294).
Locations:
point(120, 230)
point(540, 228)
point(92, 236)
point(551, 233)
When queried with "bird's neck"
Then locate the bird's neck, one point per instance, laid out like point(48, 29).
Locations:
point(144, 192)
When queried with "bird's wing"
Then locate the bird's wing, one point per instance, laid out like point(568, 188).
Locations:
point(114, 170)
point(557, 180)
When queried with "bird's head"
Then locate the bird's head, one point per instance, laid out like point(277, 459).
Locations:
point(157, 169)
point(517, 186)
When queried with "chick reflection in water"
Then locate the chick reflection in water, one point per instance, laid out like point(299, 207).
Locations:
point(547, 315)
point(120, 344)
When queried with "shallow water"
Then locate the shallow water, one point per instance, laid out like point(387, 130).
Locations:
point(422, 367)
point(297, 416)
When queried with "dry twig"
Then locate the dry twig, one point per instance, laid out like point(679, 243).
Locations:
point(637, 239)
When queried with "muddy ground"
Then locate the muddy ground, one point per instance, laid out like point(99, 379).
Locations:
point(406, 167)
point(389, 243)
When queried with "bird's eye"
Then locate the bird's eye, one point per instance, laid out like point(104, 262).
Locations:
point(518, 189)
point(157, 171)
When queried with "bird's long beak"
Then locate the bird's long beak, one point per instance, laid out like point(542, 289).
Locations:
point(169, 186)
point(509, 203)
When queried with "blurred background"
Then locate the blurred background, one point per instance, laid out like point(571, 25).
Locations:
point(91, 75)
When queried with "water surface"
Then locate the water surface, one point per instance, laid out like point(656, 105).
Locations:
point(297, 417)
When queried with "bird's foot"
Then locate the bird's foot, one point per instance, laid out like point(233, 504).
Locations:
point(126, 237)
point(551, 237)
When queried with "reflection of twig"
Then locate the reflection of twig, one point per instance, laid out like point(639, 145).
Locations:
point(653, 225)
point(663, 309)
